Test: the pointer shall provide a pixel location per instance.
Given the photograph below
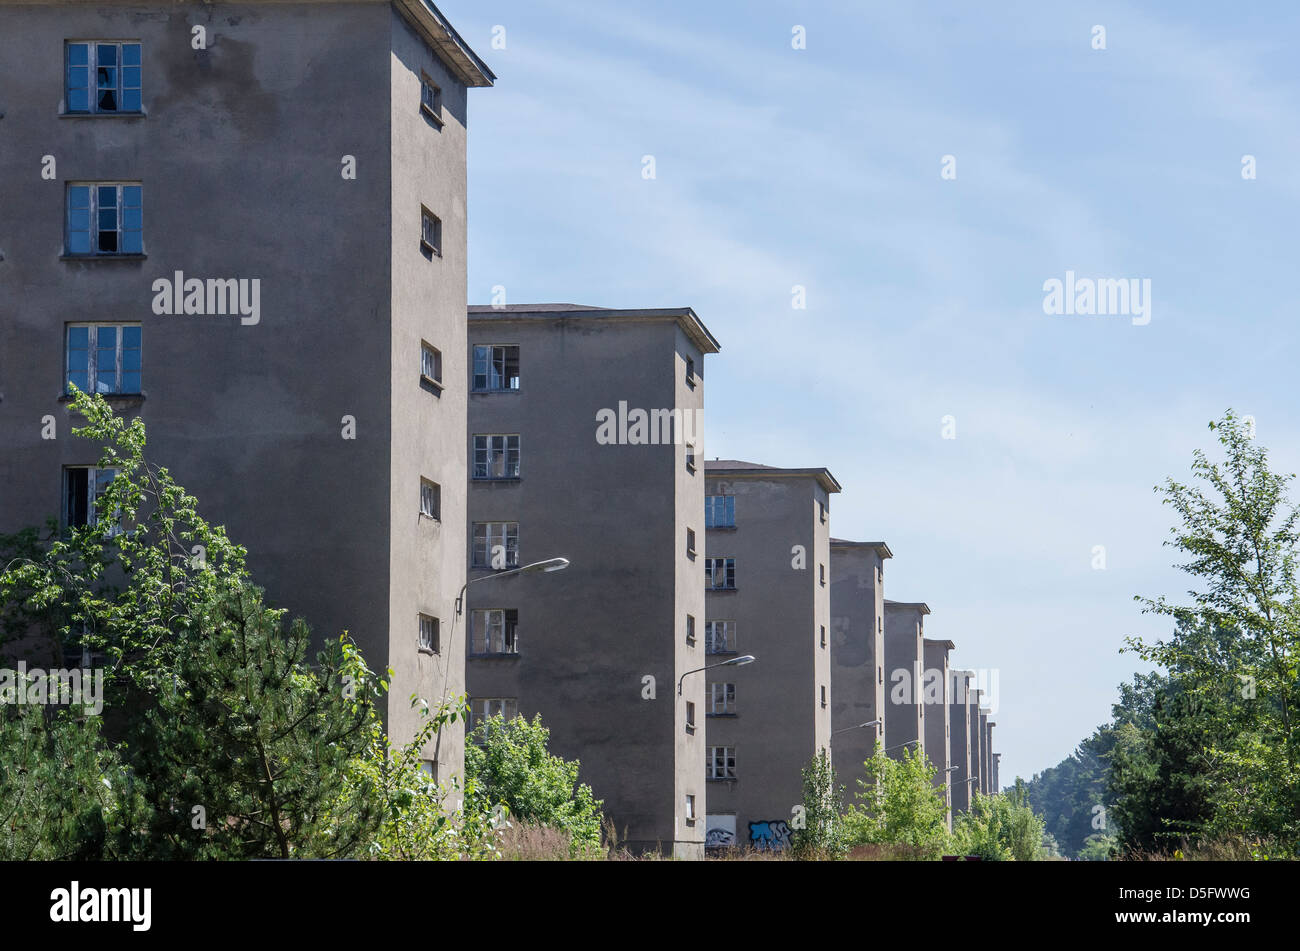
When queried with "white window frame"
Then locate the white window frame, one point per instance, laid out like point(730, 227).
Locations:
point(721, 762)
point(690, 457)
point(429, 636)
point(728, 635)
point(722, 699)
point(690, 808)
point(92, 68)
point(431, 99)
point(496, 448)
point(92, 210)
point(493, 534)
point(487, 353)
point(94, 375)
point(430, 222)
point(494, 631)
point(727, 563)
point(430, 500)
point(94, 489)
point(430, 364)
point(484, 708)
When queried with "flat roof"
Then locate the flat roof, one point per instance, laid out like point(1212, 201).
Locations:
point(917, 605)
point(880, 547)
point(926, 641)
point(447, 43)
point(739, 469)
point(685, 317)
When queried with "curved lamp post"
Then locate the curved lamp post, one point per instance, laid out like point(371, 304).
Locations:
point(550, 564)
point(740, 661)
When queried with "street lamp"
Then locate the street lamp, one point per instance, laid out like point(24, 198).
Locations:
point(550, 564)
point(860, 726)
point(740, 661)
point(899, 746)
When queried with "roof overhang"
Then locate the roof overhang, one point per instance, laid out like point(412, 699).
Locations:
point(880, 548)
point(446, 42)
point(920, 606)
point(685, 317)
point(822, 475)
point(946, 645)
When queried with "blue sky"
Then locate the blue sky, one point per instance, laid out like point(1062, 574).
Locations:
point(821, 167)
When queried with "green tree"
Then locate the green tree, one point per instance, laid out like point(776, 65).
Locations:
point(822, 834)
point(507, 763)
point(898, 804)
point(1235, 648)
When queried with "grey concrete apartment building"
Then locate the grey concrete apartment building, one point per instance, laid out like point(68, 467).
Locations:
point(938, 729)
point(584, 439)
point(767, 578)
point(959, 745)
point(986, 752)
point(857, 656)
point(313, 219)
point(904, 670)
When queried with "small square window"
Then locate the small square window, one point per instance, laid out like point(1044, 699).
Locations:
point(431, 364)
point(430, 768)
point(690, 372)
point(496, 369)
point(821, 575)
point(690, 629)
point(83, 486)
point(429, 634)
point(104, 219)
point(690, 717)
point(430, 232)
point(690, 543)
point(430, 499)
point(690, 810)
point(823, 635)
point(102, 78)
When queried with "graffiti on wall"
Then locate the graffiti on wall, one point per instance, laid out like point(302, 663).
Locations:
point(773, 834)
point(719, 839)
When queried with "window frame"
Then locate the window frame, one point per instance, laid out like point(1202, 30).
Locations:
point(727, 756)
point(722, 703)
point(508, 630)
point(93, 350)
point(434, 643)
point(492, 453)
point(729, 636)
point(93, 209)
point(728, 573)
point(434, 363)
point(94, 492)
point(488, 536)
point(490, 364)
point(92, 67)
point(711, 506)
point(431, 106)
point(433, 246)
point(434, 511)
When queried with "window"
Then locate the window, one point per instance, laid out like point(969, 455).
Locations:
point(430, 499)
point(821, 575)
point(76, 653)
point(429, 634)
point(690, 717)
point(821, 511)
point(690, 372)
point(496, 545)
point(487, 707)
point(430, 768)
point(431, 364)
point(82, 488)
point(103, 78)
point(105, 219)
point(690, 543)
point(720, 573)
point(690, 458)
point(722, 699)
point(430, 232)
point(496, 369)
point(690, 629)
point(722, 762)
point(720, 637)
point(880, 574)
point(880, 625)
point(690, 810)
point(103, 358)
point(430, 99)
point(496, 457)
point(823, 635)
point(823, 696)
point(719, 511)
point(880, 675)
point(494, 631)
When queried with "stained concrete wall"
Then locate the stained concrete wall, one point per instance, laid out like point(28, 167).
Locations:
point(780, 722)
point(959, 744)
point(589, 636)
point(857, 657)
point(904, 667)
point(938, 731)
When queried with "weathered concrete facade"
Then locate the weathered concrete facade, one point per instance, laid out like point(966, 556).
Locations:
point(959, 741)
point(305, 431)
point(976, 745)
point(623, 510)
point(857, 655)
point(938, 730)
point(777, 608)
point(904, 669)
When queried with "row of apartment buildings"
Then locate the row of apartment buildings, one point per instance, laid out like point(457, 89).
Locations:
point(263, 256)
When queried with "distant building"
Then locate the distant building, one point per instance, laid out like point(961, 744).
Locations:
point(938, 729)
point(904, 669)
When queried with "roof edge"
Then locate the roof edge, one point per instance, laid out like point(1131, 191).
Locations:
point(447, 43)
point(820, 473)
point(685, 317)
point(880, 547)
